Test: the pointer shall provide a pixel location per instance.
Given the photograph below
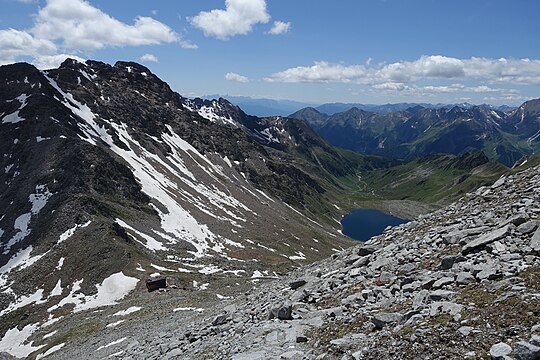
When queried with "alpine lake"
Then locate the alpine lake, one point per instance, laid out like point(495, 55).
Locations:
point(363, 224)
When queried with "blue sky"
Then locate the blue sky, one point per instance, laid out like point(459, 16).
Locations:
point(378, 51)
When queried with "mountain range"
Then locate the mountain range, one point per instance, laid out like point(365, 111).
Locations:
point(503, 136)
point(272, 107)
point(109, 177)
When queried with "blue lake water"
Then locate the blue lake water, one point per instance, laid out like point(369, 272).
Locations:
point(362, 224)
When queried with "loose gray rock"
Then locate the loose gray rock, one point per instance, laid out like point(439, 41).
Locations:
point(528, 227)
point(298, 283)
point(366, 250)
point(219, 320)
point(526, 351)
point(464, 278)
point(465, 330)
point(535, 340)
point(535, 241)
point(485, 239)
point(282, 312)
point(449, 261)
point(500, 350)
point(382, 319)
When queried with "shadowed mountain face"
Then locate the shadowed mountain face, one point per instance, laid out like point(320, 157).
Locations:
point(419, 131)
point(108, 176)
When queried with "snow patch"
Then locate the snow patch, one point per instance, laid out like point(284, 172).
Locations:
point(14, 340)
point(51, 350)
point(69, 233)
point(151, 243)
point(48, 335)
point(21, 224)
point(112, 343)
point(161, 268)
point(39, 199)
point(128, 311)
point(299, 256)
point(60, 263)
point(188, 309)
point(114, 324)
point(22, 301)
point(112, 289)
point(57, 291)
point(267, 134)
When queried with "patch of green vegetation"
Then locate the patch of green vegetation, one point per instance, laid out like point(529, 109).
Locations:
point(531, 277)
point(474, 295)
point(336, 330)
point(442, 319)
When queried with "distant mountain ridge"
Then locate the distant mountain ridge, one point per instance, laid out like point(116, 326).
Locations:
point(333, 108)
point(419, 131)
point(272, 107)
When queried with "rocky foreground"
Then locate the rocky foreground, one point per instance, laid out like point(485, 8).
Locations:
point(462, 282)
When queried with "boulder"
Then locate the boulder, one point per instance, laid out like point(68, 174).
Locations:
point(535, 241)
point(382, 319)
point(365, 250)
point(449, 261)
point(282, 312)
point(526, 351)
point(528, 227)
point(464, 278)
point(298, 283)
point(442, 282)
point(485, 239)
point(438, 295)
point(219, 320)
point(500, 351)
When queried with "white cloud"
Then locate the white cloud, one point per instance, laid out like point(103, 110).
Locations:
point(516, 71)
point(45, 62)
point(81, 26)
point(149, 58)
point(236, 77)
point(15, 43)
point(320, 72)
point(390, 86)
point(238, 18)
point(280, 27)
point(77, 26)
point(188, 44)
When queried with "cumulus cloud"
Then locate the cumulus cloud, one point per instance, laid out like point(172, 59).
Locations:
point(236, 77)
point(149, 58)
point(280, 27)
point(320, 72)
point(81, 26)
point(517, 71)
point(238, 18)
point(15, 43)
point(76, 26)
